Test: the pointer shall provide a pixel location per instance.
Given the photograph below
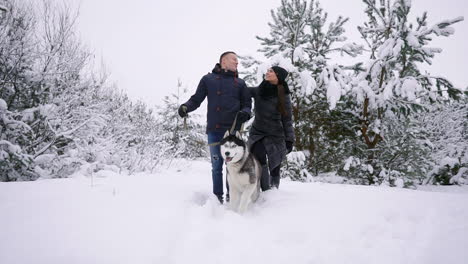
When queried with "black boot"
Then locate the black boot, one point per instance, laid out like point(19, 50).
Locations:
point(275, 177)
point(265, 178)
point(275, 181)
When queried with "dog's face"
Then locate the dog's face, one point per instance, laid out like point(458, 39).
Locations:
point(232, 147)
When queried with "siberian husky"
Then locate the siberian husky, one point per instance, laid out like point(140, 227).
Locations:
point(243, 172)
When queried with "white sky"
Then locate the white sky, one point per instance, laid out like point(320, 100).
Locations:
point(147, 45)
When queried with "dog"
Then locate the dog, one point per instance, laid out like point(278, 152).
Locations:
point(243, 172)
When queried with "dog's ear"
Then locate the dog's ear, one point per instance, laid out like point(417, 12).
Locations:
point(238, 135)
point(226, 134)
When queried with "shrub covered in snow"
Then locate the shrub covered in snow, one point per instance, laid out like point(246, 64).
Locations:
point(294, 167)
point(446, 130)
point(186, 137)
point(56, 114)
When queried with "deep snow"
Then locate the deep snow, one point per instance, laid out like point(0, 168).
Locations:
point(171, 217)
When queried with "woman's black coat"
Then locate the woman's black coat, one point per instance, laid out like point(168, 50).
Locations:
point(269, 126)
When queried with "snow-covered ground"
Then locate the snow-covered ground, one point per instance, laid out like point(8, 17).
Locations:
point(171, 217)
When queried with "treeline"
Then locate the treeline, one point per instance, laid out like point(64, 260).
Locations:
point(58, 115)
point(381, 120)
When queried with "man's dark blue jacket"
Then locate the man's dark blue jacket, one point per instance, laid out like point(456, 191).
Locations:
point(226, 94)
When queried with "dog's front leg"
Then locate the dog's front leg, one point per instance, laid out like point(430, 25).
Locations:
point(234, 199)
point(246, 198)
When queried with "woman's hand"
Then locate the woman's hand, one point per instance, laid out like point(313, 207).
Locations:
point(289, 146)
point(242, 117)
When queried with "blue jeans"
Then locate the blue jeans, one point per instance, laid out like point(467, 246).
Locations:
point(216, 163)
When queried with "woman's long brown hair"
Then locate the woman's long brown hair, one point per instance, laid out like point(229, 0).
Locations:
point(281, 100)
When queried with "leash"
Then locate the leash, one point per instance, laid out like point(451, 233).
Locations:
point(231, 131)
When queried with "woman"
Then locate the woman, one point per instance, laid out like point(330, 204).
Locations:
point(272, 133)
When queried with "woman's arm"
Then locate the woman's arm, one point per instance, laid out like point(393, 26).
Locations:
point(252, 91)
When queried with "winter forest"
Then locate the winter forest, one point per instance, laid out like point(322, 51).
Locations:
point(378, 172)
point(379, 121)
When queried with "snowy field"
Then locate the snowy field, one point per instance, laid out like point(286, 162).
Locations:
point(171, 217)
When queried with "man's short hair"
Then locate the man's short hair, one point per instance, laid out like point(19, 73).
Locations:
point(226, 53)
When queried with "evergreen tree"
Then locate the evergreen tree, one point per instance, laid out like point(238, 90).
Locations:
point(302, 42)
point(392, 83)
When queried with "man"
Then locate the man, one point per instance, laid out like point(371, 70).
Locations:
point(228, 97)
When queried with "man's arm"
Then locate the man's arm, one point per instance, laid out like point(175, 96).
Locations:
point(199, 96)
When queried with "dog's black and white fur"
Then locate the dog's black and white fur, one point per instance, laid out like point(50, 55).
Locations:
point(243, 172)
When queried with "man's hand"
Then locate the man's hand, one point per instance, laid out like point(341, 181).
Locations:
point(183, 111)
point(289, 146)
point(241, 118)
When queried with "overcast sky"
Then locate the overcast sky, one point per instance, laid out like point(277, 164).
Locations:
point(147, 45)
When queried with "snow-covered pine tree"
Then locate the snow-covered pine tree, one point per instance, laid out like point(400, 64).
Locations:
point(326, 129)
point(301, 41)
point(392, 82)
